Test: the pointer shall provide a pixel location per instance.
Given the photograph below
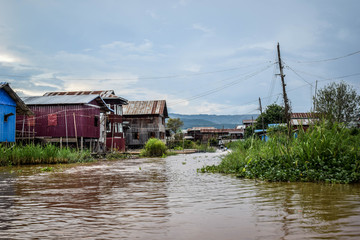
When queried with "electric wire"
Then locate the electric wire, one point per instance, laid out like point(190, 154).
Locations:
point(221, 87)
point(329, 59)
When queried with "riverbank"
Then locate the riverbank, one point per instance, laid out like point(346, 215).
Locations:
point(325, 153)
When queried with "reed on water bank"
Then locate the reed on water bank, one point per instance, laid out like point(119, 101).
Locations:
point(324, 153)
point(37, 154)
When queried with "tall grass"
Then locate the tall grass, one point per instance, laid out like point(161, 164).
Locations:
point(325, 153)
point(37, 154)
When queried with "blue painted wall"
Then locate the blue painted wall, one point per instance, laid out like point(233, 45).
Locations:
point(7, 129)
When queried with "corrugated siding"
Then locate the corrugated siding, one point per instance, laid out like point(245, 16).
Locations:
point(84, 120)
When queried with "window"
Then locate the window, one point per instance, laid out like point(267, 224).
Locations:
point(119, 128)
point(119, 110)
point(136, 135)
point(96, 121)
point(6, 116)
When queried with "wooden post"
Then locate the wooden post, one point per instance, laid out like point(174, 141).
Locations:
point(77, 146)
point(61, 142)
point(81, 143)
point(66, 131)
point(112, 135)
point(90, 145)
point(23, 127)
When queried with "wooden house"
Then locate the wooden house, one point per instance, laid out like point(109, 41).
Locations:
point(115, 138)
point(146, 119)
point(304, 120)
point(66, 119)
point(204, 134)
point(11, 105)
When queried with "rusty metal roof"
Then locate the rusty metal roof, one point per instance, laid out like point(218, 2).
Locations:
point(66, 100)
point(21, 107)
point(104, 94)
point(304, 115)
point(249, 121)
point(155, 107)
point(201, 128)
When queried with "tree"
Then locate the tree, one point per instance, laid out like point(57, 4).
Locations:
point(338, 102)
point(174, 124)
point(273, 114)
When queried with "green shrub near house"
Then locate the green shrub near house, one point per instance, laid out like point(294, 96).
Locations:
point(154, 148)
point(325, 153)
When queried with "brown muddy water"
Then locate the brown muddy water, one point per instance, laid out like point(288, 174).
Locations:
point(168, 199)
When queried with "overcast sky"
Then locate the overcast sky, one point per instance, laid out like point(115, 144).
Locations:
point(208, 57)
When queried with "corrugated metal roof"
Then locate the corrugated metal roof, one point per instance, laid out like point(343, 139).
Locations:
point(155, 107)
point(304, 115)
point(21, 107)
point(66, 100)
point(249, 121)
point(201, 128)
point(105, 94)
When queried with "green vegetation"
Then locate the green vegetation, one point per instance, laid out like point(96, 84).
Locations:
point(325, 153)
point(338, 102)
point(174, 124)
point(37, 154)
point(154, 148)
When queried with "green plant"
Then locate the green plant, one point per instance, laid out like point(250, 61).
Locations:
point(37, 154)
point(154, 148)
point(325, 153)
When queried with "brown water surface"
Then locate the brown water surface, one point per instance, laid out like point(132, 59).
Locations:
point(168, 199)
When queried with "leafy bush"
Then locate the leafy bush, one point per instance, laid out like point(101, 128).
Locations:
point(325, 153)
point(154, 148)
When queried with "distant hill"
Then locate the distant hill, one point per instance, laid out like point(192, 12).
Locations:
point(217, 121)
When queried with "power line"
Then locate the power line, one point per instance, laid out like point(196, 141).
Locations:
point(288, 67)
point(329, 59)
point(211, 91)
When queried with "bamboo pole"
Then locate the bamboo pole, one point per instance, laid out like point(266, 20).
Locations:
point(66, 131)
point(77, 145)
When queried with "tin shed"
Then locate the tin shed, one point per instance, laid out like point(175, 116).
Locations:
point(10, 105)
point(66, 118)
point(115, 139)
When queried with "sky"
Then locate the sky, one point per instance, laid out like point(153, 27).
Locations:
point(201, 56)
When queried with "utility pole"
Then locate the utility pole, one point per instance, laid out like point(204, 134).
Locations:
point(314, 100)
point(262, 117)
point(286, 100)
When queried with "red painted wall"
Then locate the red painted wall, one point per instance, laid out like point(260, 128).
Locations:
point(52, 121)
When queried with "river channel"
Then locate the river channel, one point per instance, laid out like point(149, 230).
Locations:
point(168, 199)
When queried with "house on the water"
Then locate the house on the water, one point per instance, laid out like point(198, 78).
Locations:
point(249, 122)
point(145, 119)
point(115, 137)
point(75, 120)
point(204, 134)
point(11, 105)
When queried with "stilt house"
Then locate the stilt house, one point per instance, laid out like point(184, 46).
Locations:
point(67, 119)
point(115, 139)
point(145, 119)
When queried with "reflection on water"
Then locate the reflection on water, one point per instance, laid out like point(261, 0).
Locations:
point(168, 199)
